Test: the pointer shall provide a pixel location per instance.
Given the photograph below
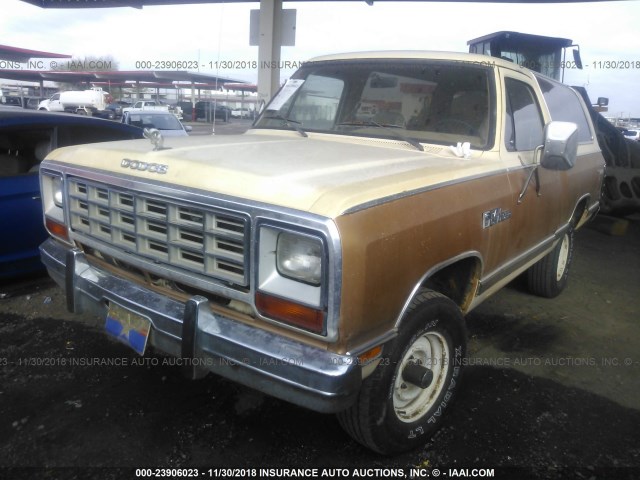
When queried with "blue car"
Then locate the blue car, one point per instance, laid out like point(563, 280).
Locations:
point(26, 137)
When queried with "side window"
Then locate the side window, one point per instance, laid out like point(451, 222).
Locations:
point(565, 105)
point(524, 124)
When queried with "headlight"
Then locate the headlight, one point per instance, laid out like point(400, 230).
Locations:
point(56, 191)
point(52, 187)
point(299, 258)
point(291, 277)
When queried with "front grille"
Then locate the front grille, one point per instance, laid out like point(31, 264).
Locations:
point(205, 240)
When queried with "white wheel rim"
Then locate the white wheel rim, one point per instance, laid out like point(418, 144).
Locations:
point(563, 258)
point(411, 402)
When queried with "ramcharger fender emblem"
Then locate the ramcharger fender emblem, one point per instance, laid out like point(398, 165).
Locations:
point(494, 216)
point(144, 166)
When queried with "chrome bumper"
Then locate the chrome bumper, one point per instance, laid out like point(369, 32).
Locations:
point(302, 374)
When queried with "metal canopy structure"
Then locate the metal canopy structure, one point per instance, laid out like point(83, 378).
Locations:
point(270, 26)
point(119, 3)
point(115, 76)
point(270, 22)
point(150, 3)
point(22, 55)
point(171, 75)
point(143, 78)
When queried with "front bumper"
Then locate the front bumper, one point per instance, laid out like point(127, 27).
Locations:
point(302, 374)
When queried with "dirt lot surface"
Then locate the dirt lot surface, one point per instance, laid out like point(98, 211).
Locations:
point(551, 390)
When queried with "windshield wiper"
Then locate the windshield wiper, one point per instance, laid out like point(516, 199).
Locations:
point(288, 123)
point(389, 128)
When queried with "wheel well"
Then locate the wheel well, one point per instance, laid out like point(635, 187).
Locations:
point(458, 281)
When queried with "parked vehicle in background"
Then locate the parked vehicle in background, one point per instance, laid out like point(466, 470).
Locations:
point(208, 110)
point(154, 105)
point(26, 137)
point(632, 134)
point(187, 110)
point(30, 103)
point(87, 102)
point(166, 122)
point(242, 113)
point(111, 111)
point(11, 101)
point(328, 255)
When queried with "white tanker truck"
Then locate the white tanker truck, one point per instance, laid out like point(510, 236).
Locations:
point(87, 102)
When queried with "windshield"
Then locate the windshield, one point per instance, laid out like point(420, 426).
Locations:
point(163, 121)
point(428, 101)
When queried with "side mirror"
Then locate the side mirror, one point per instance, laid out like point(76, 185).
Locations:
point(560, 147)
point(188, 128)
point(577, 59)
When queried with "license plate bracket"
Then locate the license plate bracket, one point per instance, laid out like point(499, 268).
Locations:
point(128, 327)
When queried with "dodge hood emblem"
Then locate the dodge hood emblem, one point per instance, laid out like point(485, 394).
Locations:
point(144, 166)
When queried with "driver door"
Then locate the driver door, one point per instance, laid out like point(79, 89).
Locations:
point(536, 198)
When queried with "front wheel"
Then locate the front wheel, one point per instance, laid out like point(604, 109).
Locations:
point(403, 401)
point(548, 277)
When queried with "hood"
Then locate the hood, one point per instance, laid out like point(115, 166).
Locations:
point(323, 174)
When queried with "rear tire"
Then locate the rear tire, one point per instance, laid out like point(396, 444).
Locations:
point(392, 414)
point(548, 277)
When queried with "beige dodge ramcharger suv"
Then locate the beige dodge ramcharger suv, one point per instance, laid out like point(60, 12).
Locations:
point(327, 256)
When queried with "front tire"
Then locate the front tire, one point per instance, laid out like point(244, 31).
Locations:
point(548, 277)
point(393, 414)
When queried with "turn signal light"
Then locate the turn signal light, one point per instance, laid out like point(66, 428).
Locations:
point(370, 355)
point(57, 229)
point(290, 312)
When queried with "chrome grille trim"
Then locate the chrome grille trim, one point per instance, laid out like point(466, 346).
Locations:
point(197, 238)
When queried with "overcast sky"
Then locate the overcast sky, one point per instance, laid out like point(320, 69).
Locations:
point(608, 34)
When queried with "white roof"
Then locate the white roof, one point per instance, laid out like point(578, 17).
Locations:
point(421, 54)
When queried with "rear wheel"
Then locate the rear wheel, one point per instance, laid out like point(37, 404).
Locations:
point(404, 400)
point(548, 277)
